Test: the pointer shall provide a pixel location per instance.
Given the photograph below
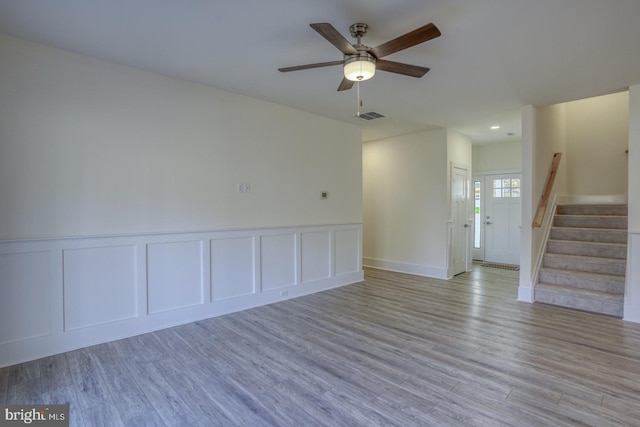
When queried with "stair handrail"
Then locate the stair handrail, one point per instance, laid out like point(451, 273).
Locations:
point(544, 201)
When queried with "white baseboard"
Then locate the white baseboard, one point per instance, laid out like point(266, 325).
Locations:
point(402, 267)
point(525, 294)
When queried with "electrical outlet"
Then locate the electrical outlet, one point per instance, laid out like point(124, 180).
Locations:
point(324, 195)
point(244, 187)
point(284, 293)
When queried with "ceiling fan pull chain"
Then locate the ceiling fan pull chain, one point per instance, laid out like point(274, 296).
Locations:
point(359, 100)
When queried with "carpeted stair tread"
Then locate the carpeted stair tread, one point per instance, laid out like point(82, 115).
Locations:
point(591, 221)
point(580, 299)
point(584, 263)
point(591, 249)
point(593, 209)
point(602, 235)
point(611, 266)
point(583, 280)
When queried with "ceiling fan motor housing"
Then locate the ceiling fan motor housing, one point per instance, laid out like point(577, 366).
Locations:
point(358, 30)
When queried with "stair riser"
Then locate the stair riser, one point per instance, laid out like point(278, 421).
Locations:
point(603, 306)
point(613, 222)
point(602, 236)
point(616, 268)
point(587, 249)
point(617, 210)
point(579, 282)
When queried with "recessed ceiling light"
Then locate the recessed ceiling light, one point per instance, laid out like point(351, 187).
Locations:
point(495, 127)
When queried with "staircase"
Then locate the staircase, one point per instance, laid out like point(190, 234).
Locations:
point(584, 264)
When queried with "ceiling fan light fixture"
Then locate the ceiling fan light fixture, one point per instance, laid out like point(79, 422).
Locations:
point(360, 67)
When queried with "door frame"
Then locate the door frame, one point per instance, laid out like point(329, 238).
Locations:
point(477, 254)
point(452, 223)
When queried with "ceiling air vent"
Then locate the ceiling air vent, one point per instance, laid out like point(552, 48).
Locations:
point(371, 115)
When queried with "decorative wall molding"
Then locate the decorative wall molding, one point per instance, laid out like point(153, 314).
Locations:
point(63, 294)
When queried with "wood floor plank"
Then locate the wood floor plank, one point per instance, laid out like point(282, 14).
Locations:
point(91, 390)
point(396, 349)
point(167, 399)
point(240, 406)
point(4, 385)
point(104, 414)
point(121, 384)
point(192, 394)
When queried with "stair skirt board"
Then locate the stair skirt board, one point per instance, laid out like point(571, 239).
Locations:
point(584, 264)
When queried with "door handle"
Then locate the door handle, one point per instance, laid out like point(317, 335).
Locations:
point(488, 222)
point(466, 226)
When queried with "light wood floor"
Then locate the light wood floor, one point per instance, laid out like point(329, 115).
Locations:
point(393, 350)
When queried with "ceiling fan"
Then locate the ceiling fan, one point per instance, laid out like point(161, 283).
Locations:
point(360, 62)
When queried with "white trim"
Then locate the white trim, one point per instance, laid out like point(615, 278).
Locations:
point(525, 294)
point(403, 267)
point(632, 283)
point(546, 230)
point(497, 172)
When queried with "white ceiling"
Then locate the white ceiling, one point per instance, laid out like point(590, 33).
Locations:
point(493, 57)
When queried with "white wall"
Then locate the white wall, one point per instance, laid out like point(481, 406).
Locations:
point(406, 197)
point(497, 156)
point(119, 213)
point(459, 152)
point(597, 137)
point(543, 134)
point(93, 148)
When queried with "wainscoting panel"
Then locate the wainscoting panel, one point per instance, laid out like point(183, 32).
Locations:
point(232, 267)
point(99, 285)
point(62, 294)
point(316, 255)
point(347, 257)
point(175, 275)
point(278, 255)
point(25, 294)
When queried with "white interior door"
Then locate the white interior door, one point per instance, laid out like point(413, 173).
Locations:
point(502, 218)
point(459, 212)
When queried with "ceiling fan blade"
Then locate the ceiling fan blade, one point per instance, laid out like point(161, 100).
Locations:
point(400, 68)
point(345, 84)
point(412, 38)
point(334, 37)
point(308, 66)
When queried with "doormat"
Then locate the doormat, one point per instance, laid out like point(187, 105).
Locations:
point(501, 266)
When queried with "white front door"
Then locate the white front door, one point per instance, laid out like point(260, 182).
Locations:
point(460, 226)
point(502, 218)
